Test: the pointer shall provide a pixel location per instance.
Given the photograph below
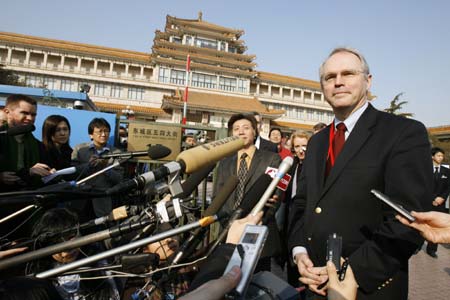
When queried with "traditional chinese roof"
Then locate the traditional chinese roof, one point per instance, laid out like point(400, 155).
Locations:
point(117, 108)
point(202, 66)
point(439, 130)
point(199, 23)
point(21, 39)
point(306, 127)
point(221, 103)
point(206, 51)
point(288, 80)
point(203, 58)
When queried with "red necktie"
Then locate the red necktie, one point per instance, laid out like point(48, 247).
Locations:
point(336, 146)
point(339, 139)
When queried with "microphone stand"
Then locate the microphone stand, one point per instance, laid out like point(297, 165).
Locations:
point(18, 213)
point(125, 248)
point(115, 164)
point(75, 243)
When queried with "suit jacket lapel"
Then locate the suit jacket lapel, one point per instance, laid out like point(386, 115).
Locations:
point(354, 142)
point(256, 162)
point(320, 161)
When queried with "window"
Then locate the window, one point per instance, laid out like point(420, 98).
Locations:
point(242, 86)
point(232, 49)
point(177, 77)
point(189, 40)
point(204, 80)
point(66, 85)
point(176, 40)
point(163, 75)
point(115, 91)
point(100, 89)
point(49, 83)
point(135, 93)
point(227, 84)
point(222, 46)
point(210, 44)
point(33, 81)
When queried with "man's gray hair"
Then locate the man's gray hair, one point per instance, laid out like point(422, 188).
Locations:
point(364, 65)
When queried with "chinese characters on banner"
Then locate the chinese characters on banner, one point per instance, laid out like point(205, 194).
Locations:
point(140, 135)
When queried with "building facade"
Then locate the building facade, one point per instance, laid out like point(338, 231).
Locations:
point(223, 78)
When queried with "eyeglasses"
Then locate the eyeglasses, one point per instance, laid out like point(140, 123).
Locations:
point(330, 78)
point(102, 132)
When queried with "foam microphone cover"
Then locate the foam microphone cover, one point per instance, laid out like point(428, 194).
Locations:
point(222, 196)
point(194, 180)
point(158, 151)
point(195, 158)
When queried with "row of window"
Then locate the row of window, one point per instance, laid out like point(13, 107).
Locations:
point(305, 113)
point(99, 89)
point(204, 43)
point(202, 80)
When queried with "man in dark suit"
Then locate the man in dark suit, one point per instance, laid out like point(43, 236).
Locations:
point(261, 143)
point(370, 150)
point(256, 161)
point(441, 189)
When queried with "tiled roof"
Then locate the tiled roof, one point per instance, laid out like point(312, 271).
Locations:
point(199, 23)
point(439, 129)
point(159, 42)
point(76, 47)
point(282, 79)
point(222, 103)
point(291, 125)
point(113, 107)
point(205, 58)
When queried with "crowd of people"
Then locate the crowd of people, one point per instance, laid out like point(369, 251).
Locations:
point(331, 177)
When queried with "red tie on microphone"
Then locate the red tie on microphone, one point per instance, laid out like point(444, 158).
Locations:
point(337, 140)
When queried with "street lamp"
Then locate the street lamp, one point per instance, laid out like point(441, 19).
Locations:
point(128, 112)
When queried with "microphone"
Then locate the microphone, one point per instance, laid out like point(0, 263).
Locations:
point(270, 212)
point(206, 221)
point(16, 130)
point(248, 202)
point(282, 170)
point(188, 161)
point(116, 214)
point(194, 180)
point(189, 245)
point(195, 158)
point(154, 152)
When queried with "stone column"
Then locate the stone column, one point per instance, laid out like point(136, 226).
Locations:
point(8, 58)
point(44, 64)
point(27, 57)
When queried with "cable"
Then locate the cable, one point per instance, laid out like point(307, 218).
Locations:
point(125, 274)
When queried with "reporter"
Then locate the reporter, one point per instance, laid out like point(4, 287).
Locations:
point(433, 226)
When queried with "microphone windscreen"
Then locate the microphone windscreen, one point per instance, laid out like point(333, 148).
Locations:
point(255, 193)
point(158, 151)
point(16, 130)
point(206, 154)
point(194, 180)
point(222, 196)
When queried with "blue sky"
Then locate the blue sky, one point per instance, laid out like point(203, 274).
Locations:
point(406, 43)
